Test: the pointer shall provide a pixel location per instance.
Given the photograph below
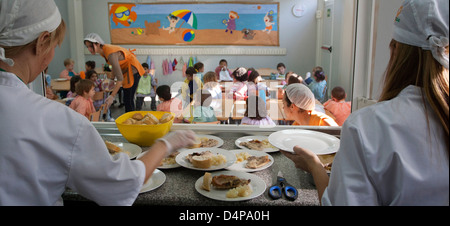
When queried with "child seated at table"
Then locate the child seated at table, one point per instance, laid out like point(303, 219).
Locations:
point(92, 75)
point(202, 111)
point(214, 88)
point(337, 105)
point(190, 86)
point(199, 69)
point(72, 94)
point(222, 71)
point(254, 86)
point(256, 112)
point(83, 103)
point(238, 90)
point(89, 65)
point(281, 68)
point(169, 104)
point(68, 72)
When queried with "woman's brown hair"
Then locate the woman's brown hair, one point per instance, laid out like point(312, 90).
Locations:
point(411, 65)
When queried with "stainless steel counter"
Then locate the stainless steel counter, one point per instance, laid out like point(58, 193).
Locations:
point(178, 188)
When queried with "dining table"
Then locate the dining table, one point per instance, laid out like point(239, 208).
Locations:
point(178, 187)
point(60, 84)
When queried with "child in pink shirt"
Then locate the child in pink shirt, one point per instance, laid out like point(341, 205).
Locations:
point(83, 103)
point(169, 104)
point(338, 106)
point(239, 89)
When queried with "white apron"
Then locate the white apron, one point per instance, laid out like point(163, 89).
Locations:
point(388, 157)
point(46, 147)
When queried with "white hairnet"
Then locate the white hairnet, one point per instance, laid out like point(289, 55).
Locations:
point(22, 21)
point(94, 38)
point(424, 23)
point(301, 96)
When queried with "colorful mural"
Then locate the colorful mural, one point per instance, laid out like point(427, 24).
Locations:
point(199, 23)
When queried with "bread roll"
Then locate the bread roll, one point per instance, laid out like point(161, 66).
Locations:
point(207, 178)
point(197, 143)
point(137, 116)
point(165, 118)
point(147, 121)
point(152, 118)
point(202, 162)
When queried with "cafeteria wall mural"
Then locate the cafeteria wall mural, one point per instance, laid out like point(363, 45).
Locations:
point(197, 23)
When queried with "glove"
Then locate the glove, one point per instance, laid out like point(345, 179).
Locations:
point(178, 139)
point(109, 100)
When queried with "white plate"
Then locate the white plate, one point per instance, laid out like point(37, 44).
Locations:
point(240, 166)
point(212, 137)
point(167, 166)
point(181, 158)
point(249, 138)
point(157, 179)
point(61, 79)
point(257, 184)
point(317, 142)
point(133, 149)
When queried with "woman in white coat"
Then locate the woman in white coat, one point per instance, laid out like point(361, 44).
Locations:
point(46, 146)
point(396, 152)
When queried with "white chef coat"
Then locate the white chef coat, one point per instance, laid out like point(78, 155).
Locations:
point(388, 156)
point(45, 147)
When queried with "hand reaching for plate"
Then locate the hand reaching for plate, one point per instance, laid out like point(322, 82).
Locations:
point(303, 159)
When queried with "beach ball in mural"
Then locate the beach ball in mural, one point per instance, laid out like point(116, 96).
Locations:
point(188, 35)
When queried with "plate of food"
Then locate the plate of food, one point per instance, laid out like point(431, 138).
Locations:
point(205, 159)
point(155, 181)
point(317, 142)
point(230, 186)
point(250, 160)
point(131, 150)
point(258, 143)
point(167, 162)
point(207, 141)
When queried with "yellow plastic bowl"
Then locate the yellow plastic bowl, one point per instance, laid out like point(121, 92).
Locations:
point(143, 135)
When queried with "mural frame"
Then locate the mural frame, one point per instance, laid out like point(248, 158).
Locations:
point(194, 23)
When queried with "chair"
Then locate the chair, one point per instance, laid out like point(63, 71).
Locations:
point(98, 96)
point(96, 116)
point(215, 122)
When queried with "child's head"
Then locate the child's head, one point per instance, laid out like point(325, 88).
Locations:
point(91, 75)
point(319, 76)
point(223, 63)
point(253, 75)
point(68, 63)
point(190, 71)
point(85, 88)
point(294, 78)
point(317, 68)
point(202, 98)
point(199, 67)
point(90, 65)
point(163, 92)
point(73, 82)
point(145, 66)
point(240, 74)
point(172, 18)
point(256, 108)
point(281, 68)
point(338, 93)
point(210, 76)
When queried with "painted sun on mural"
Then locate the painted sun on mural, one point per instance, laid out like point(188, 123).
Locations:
point(195, 24)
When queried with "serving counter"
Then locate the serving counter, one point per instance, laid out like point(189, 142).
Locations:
point(179, 190)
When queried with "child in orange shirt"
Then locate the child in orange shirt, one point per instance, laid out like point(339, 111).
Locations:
point(338, 106)
point(83, 103)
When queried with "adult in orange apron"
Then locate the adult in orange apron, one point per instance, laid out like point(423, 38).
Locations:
point(125, 67)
